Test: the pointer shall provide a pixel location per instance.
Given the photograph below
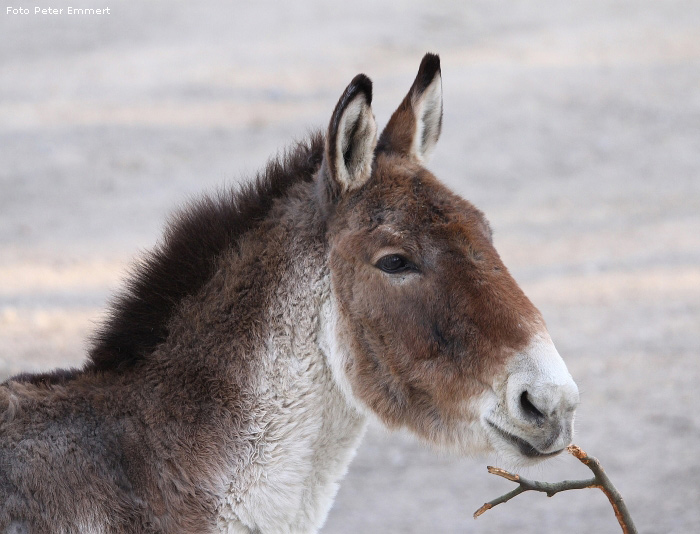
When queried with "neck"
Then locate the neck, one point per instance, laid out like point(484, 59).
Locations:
point(302, 431)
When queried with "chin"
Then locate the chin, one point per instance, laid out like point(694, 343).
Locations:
point(516, 452)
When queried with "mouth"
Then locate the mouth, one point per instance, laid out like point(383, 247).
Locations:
point(525, 448)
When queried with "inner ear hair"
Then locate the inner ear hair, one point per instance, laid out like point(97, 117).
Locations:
point(355, 126)
point(414, 128)
point(352, 136)
point(427, 106)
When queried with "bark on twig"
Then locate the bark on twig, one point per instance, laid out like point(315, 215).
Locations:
point(600, 480)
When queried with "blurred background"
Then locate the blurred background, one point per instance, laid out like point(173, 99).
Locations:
point(575, 126)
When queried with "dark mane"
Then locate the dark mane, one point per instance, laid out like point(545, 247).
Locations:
point(185, 258)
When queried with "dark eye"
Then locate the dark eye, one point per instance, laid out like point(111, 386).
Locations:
point(393, 263)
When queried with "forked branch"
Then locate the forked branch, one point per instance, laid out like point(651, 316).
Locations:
point(600, 480)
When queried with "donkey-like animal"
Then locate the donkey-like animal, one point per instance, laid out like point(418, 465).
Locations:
point(232, 382)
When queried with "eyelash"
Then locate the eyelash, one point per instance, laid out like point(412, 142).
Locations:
point(394, 264)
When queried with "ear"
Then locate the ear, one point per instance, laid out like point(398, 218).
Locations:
point(415, 126)
point(351, 140)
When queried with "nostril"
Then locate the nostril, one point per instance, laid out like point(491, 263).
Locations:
point(529, 408)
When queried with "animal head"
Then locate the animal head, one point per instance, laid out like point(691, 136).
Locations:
point(430, 331)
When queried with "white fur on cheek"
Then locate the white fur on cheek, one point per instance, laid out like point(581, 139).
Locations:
point(337, 353)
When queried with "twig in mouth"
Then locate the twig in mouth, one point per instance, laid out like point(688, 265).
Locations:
point(600, 480)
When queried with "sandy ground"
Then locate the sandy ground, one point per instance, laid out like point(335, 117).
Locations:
point(574, 125)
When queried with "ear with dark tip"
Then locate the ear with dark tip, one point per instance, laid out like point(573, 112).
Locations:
point(351, 139)
point(415, 126)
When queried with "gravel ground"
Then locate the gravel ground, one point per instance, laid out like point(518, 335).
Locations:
point(574, 125)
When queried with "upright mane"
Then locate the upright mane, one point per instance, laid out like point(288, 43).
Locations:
point(185, 259)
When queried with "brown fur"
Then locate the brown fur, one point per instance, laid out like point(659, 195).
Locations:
point(420, 352)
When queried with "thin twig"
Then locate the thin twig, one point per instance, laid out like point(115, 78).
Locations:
point(600, 480)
